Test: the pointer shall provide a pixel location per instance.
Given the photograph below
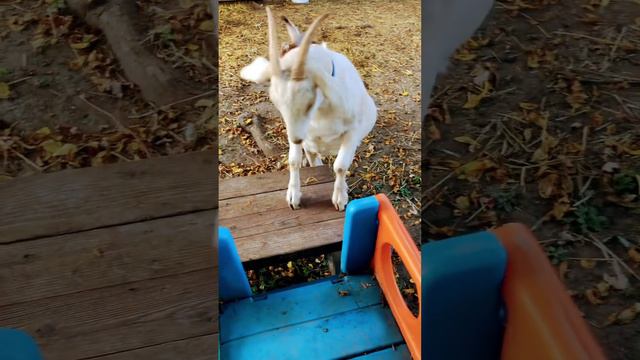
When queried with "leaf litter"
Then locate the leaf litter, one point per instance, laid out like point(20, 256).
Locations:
point(144, 132)
point(559, 153)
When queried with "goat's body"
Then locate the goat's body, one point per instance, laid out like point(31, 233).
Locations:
point(330, 121)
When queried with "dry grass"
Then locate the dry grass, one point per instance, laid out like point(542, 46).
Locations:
point(379, 37)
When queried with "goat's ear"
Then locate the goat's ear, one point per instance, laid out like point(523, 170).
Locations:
point(294, 34)
point(259, 71)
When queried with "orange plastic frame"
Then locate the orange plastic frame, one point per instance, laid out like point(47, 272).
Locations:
point(543, 322)
point(393, 234)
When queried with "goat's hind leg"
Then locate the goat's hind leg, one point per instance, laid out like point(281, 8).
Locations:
point(311, 157)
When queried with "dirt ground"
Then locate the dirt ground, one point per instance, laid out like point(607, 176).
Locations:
point(382, 39)
point(66, 103)
point(537, 121)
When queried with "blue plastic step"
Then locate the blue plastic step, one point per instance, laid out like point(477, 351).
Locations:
point(328, 319)
point(400, 352)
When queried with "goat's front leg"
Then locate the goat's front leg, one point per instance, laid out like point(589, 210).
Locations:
point(295, 162)
point(340, 166)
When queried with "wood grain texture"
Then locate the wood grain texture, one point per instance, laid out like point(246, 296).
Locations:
point(255, 210)
point(93, 259)
point(120, 318)
point(82, 199)
point(198, 348)
point(262, 183)
point(291, 240)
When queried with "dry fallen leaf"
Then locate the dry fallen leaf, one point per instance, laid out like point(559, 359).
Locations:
point(563, 268)
point(629, 314)
point(634, 254)
point(434, 133)
point(577, 97)
point(548, 143)
point(467, 140)
point(310, 180)
point(625, 316)
point(528, 106)
point(5, 92)
point(528, 133)
point(473, 170)
point(473, 100)
point(66, 149)
point(204, 103)
point(560, 208)
point(587, 263)
point(51, 146)
point(592, 297)
point(207, 26)
point(548, 186)
point(603, 288)
point(442, 230)
point(533, 60)
point(463, 203)
point(464, 55)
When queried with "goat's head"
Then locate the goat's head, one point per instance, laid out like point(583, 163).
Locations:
point(292, 88)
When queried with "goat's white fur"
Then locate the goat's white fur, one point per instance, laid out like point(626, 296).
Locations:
point(447, 24)
point(323, 114)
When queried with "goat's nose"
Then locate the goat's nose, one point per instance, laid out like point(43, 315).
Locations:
point(297, 141)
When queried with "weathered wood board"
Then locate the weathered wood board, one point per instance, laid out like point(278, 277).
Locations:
point(255, 210)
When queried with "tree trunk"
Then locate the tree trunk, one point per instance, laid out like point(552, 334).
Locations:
point(159, 83)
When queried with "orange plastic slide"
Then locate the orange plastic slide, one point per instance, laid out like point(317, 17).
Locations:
point(393, 234)
point(543, 321)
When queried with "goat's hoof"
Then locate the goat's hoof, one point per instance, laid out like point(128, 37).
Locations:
point(293, 198)
point(340, 201)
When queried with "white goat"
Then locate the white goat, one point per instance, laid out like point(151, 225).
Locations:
point(323, 101)
point(447, 24)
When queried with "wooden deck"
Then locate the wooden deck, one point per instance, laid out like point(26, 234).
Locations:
point(255, 210)
point(114, 262)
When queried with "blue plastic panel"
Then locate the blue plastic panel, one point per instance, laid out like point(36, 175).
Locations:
point(360, 233)
point(297, 304)
point(462, 302)
point(17, 345)
point(338, 336)
point(327, 319)
point(233, 279)
point(394, 353)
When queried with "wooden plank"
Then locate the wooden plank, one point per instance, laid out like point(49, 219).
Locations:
point(264, 213)
point(81, 199)
point(198, 348)
point(104, 257)
point(255, 210)
point(261, 183)
point(120, 318)
point(290, 240)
